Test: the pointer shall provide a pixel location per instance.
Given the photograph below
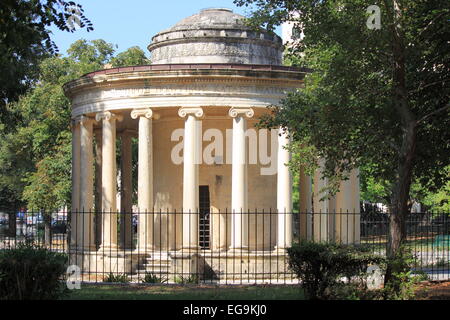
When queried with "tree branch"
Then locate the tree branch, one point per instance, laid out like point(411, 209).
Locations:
point(433, 113)
point(429, 85)
point(430, 23)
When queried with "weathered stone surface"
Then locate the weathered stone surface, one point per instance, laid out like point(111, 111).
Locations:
point(215, 36)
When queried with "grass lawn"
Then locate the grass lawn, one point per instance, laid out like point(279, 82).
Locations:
point(146, 292)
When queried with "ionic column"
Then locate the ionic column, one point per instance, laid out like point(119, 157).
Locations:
point(239, 187)
point(145, 178)
point(76, 154)
point(284, 193)
point(98, 186)
point(85, 221)
point(126, 202)
point(321, 204)
point(305, 204)
point(191, 175)
point(347, 203)
point(109, 179)
point(354, 180)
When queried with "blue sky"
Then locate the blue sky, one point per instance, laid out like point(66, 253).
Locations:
point(134, 22)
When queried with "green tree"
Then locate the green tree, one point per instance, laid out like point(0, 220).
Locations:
point(25, 41)
point(35, 156)
point(131, 57)
point(377, 97)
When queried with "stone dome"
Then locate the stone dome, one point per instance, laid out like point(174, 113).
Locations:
point(215, 36)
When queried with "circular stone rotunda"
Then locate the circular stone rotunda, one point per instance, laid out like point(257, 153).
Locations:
point(213, 192)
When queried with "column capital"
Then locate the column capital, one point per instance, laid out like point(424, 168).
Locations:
point(240, 112)
point(197, 112)
point(144, 112)
point(107, 115)
point(85, 120)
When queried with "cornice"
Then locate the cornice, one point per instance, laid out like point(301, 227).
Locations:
point(262, 77)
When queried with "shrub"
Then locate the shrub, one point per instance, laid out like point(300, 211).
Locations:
point(120, 278)
point(153, 278)
point(403, 283)
point(322, 266)
point(30, 272)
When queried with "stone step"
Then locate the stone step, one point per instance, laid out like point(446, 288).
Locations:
point(155, 270)
point(158, 265)
point(155, 265)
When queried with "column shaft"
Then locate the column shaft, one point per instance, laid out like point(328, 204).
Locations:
point(126, 201)
point(191, 160)
point(98, 187)
point(239, 180)
point(284, 194)
point(109, 180)
point(321, 207)
point(354, 180)
point(85, 221)
point(305, 205)
point(347, 205)
point(190, 183)
point(145, 183)
point(145, 179)
point(75, 215)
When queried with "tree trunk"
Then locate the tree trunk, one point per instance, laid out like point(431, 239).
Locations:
point(47, 229)
point(12, 228)
point(399, 208)
point(400, 195)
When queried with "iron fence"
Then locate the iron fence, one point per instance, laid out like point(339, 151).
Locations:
point(215, 247)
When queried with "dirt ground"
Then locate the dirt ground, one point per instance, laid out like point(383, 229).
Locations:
point(433, 291)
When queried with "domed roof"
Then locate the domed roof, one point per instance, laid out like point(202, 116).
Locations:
point(212, 18)
point(215, 35)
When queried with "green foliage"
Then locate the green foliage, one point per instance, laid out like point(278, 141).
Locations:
point(90, 56)
point(131, 57)
point(372, 189)
point(403, 283)
point(348, 111)
point(119, 278)
point(191, 279)
point(321, 266)
point(31, 273)
point(376, 99)
point(433, 200)
point(35, 155)
point(50, 186)
point(153, 278)
point(25, 42)
point(353, 291)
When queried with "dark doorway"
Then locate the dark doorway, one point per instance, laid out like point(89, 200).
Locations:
point(204, 219)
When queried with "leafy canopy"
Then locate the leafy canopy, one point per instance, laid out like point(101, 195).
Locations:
point(25, 41)
point(35, 156)
point(348, 111)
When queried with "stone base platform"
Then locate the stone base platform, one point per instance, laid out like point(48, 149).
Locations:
point(204, 265)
